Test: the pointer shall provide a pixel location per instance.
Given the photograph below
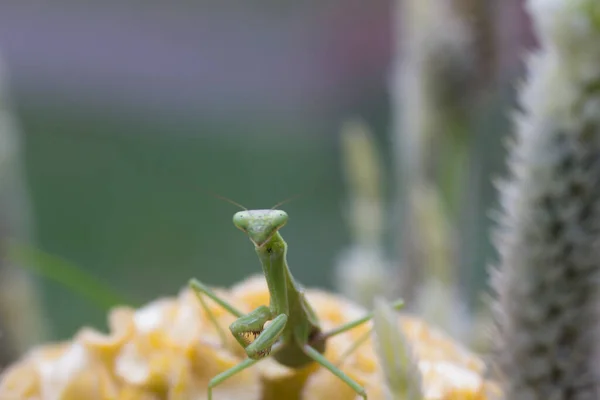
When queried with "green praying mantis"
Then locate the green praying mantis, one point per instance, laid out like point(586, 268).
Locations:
point(288, 329)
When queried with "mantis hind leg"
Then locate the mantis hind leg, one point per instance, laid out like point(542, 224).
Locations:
point(201, 290)
point(320, 359)
point(397, 305)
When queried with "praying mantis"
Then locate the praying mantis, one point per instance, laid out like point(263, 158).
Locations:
point(288, 329)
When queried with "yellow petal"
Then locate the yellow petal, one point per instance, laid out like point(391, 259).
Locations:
point(19, 381)
point(106, 346)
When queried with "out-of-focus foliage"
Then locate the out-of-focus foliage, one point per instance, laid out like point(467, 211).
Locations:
point(22, 323)
point(363, 271)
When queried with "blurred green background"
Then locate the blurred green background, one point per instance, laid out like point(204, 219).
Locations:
point(129, 113)
point(127, 200)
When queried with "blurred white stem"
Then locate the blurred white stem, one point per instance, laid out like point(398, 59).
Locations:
point(21, 321)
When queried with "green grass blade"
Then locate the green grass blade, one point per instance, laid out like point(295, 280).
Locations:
point(69, 275)
point(395, 355)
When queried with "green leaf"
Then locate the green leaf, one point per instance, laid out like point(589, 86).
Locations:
point(72, 277)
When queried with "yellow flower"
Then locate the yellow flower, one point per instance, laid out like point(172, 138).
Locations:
point(169, 349)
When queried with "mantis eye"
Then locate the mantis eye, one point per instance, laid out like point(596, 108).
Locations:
point(280, 218)
point(240, 220)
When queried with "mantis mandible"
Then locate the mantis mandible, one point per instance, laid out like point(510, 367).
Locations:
point(293, 336)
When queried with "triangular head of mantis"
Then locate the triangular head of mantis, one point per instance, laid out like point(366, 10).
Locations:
point(260, 225)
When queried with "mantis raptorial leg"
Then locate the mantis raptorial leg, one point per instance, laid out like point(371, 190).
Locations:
point(293, 340)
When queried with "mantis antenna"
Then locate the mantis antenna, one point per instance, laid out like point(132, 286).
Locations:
point(227, 199)
point(294, 197)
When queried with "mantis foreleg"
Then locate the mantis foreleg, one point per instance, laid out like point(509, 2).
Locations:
point(261, 347)
point(251, 333)
point(247, 329)
point(251, 324)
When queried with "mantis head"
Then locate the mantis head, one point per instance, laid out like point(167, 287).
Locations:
point(260, 225)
